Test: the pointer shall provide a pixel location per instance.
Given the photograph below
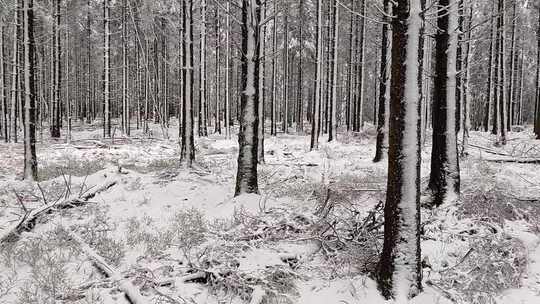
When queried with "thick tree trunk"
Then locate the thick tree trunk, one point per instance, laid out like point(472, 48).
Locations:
point(537, 103)
point(400, 269)
point(444, 179)
point(246, 177)
point(30, 159)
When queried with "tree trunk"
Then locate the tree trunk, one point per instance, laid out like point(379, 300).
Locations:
point(107, 72)
point(502, 74)
point(444, 179)
point(316, 119)
point(57, 73)
point(3, 97)
point(14, 76)
point(203, 128)
point(246, 177)
point(187, 152)
point(217, 124)
point(285, 103)
point(381, 148)
point(400, 269)
point(332, 131)
point(273, 118)
point(227, 116)
point(30, 159)
point(260, 84)
point(490, 87)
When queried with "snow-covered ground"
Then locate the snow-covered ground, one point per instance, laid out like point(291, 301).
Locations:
point(312, 236)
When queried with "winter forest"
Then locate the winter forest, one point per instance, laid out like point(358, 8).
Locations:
point(270, 151)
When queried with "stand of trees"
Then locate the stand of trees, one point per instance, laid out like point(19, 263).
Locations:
point(339, 66)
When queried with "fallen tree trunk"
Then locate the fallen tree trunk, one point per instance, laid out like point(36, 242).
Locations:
point(514, 160)
point(28, 221)
point(132, 293)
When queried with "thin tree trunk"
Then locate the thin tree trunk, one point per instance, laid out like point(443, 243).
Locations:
point(273, 118)
point(285, 125)
point(30, 159)
point(3, 97)
point(203, 129)
point(14, 76)
point(332, 132)
point(227, 115)
point(316, 119)
point(260, 84)
point(187, 152)
point(107, 72)
point(490, 87)
point(502, 72)
point(381, 148)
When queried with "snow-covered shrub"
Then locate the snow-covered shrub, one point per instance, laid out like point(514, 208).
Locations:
point(154, 239)
point(188, 230)
point(96, 233)
point(46, 257)
point(69, 165)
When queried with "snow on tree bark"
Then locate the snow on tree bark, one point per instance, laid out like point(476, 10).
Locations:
point(444, 178)
point(30, 159)
point(399, 269)
point(187, 151)
point(246, 177)
point(316, 119)
point(332, 132)
point(381, 148)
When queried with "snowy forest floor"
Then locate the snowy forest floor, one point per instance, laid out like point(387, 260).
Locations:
point(312, 236)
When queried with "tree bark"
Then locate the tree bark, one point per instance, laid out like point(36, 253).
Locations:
point(381, 148)
point(107, 72)
point(246, 177)
point(30, 159)
point(444, 178)
point(332, 132)
point(400, 270)
point(316, 119)
point(187, 152)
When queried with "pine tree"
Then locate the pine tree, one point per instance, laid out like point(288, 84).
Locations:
point(316, 119)
point(187, 151)
point(399, 271)
point(246, 177)
point(381, 148)
point(30, 158)
point(444, 179)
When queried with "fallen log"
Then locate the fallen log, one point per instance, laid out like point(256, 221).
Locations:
point(131, 292)
point(514, 160)
point(28, 221)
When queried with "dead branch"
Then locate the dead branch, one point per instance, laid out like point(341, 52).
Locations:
point(131, 292)
point(27, 222)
